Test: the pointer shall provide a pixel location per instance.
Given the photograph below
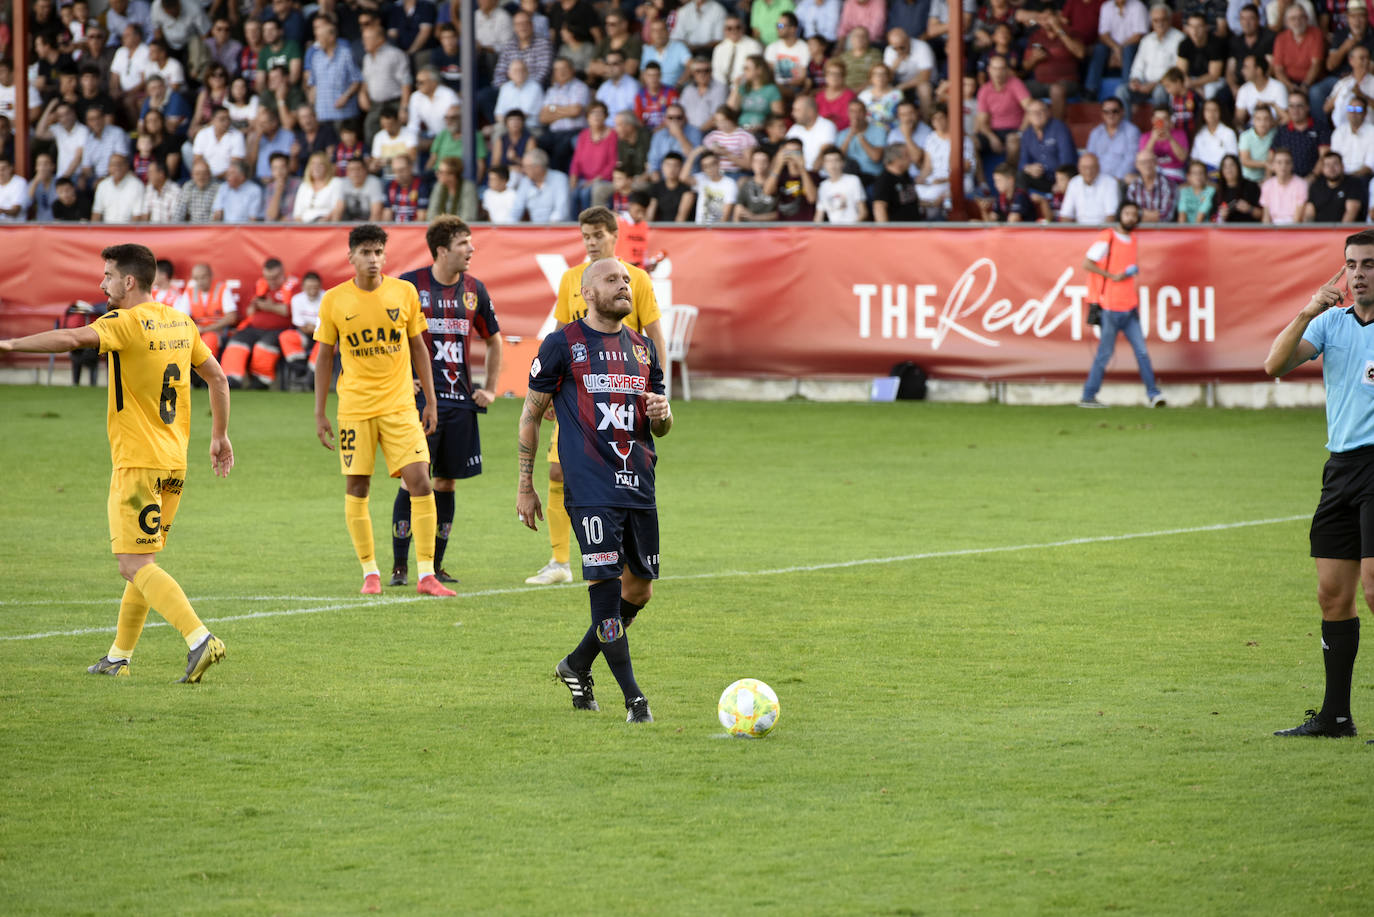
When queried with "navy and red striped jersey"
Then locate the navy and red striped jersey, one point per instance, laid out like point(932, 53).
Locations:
point(453, 316)
point(598, 382)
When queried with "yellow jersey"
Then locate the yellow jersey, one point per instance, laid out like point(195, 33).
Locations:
point(373, 332)
point(571, 306)
point(152, 348)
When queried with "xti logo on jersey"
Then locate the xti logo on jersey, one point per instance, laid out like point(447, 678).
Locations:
point(453, 314)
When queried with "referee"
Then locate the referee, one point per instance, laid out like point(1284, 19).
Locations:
point(1343, 526)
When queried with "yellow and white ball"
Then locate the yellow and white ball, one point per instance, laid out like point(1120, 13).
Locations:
point(749, 709)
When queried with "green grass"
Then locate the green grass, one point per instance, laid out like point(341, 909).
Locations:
point(1043, 730)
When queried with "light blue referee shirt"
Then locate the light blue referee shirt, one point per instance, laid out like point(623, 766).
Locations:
point(1346, 346)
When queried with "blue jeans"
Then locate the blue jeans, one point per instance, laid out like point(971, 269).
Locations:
point(1097, 67)
point(1114, 323)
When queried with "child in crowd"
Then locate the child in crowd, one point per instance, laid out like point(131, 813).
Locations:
point(499, 198)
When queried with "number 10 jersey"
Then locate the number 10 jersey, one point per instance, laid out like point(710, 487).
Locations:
point(152, 348)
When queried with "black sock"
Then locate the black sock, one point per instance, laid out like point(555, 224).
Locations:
point(581, 659)
point(1340, 646)
point(443, 502)
point(628, 611)
point(610, 631)
point(400, 528)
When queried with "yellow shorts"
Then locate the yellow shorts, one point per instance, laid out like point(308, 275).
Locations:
point(553, 445)
point(143, 503)
point(400, 435)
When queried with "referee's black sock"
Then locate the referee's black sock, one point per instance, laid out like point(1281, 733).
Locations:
point(443, 502)
point(1340, 646)
point(400, 528)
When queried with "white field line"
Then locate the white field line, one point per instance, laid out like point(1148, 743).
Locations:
point(774, 571)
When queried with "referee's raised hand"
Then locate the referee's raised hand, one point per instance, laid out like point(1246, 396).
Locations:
point(1329, 296)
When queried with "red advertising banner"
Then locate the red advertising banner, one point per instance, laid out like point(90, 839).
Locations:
point(995, 303)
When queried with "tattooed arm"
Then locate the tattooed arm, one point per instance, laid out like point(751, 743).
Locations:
point(526, 447)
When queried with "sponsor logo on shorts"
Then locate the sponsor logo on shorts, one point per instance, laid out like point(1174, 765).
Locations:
point(624, 383)
point(150, 518)
point(449, 326)
point(610, 630)
point(579, 353)
point(601, 559)
point(641, 353)
point(393, 314)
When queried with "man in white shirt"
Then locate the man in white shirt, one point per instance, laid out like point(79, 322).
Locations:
point(1156, 53)
point(520, 93)
point(618, 91)
point(119, 194)
point(1354, 140)
point(14, 194)
point(7, 92)
point(494, 27)
point(60, 125)
point(820, 17)
point(815, 133)
point(789, 56)
point(161, 62)
point(129, 67)
point(716, 193)
point(1343, 93)
point(160, 196)
point(1121, 24)
point(1091, 196)
point(840, 198)
point(429, 105)
point(1259, 88)
point(386, 78)
point(391, 141)
point(730, 53)
point(699, 25)
point(219, 144)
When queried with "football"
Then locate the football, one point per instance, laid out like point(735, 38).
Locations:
point(748, 709)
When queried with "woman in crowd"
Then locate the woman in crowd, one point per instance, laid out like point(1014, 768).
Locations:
point(1197, 197)
point(594, 159)
point(755, 95)
point(1237, 197)
point(320, 196)
point(214, 93)
point(832, 102)
point(452, 195)
point(242, 104)
point(509, 148)
point(880, 97)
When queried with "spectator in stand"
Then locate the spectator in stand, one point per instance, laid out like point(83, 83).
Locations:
point(508, 148)
point(212, 306)
point(7, 93)
point(1283, 195)
point(60, 126)
point(632, 148)
point(1237, 196)
point(128, 69)
point(859, 58)
point(121, 13)
point(519, 93)
point(774, 133)
point(103, 141)
point(1354, 140)
point(1353, 33)
point(276, 51)
point(14, 194)
point(1092, 196)
point(242, 105)
point(862, 144)
point(219, 143)
point(675, 136)
point(332, 78)
point(895, 199)
point(1003, 45)
point(1046, 144)
point(764, 16)
point(386, 79)
point(498, 199)
point(1299, 52)
point(912, 63)
point(410, 27)
point(449, 143)
point(252, 48)
point(620, 38)
point(869, 15)
point(755, 94)
point(1151, 191)
point(494, 30)
point(214, 92)
point(1259, 89)
point(350, 146)
point(68, 208)
point(822, 18)
point(1250, 40)
point(293, 24)
point(911, 132)
point(789, 55)
point(447, 59)
point(42, 188)
point(48, 61)
point(1003, 102)
point(1155, 54)
point(90, 92)
point(452, 195)
point(1202, 56)
point(320, 195)
point(1333, 196)
point(161, 62)
point(702, 95)
point(267, 139)
point(753, 205)
point(1052, 59)
point(543, 194)
point(715, 192)
point(1357, 86)
point(995, 16)
point(880, 97)
point(1184, 104)
point(1008, 203)
point(1197, 197)
point(406, 195)
point(537, 53)
point(731, 143)
point(429, 104)
point(251, 357)
point(362, 194)
point(239, 199)
point(1168, 143)
point(832, 100)
point(1301, 136)
point(670, 196)
point(563, 114)
point(815, 133)
point(653, 97)
point(699, 25)
point(932, 184)
point(619, 90)
point(119, 194)
point(295, 342)
point(1214, 139)
point(279, 189)
point(173, 106)
point(1121, 25)
point(538, 20)
point(840, 197)
point(312, 136)
point(391, 141)
point(593, 161)
point(222, 48)
point(792, 183)
point(730, 54)
point(1255, 143)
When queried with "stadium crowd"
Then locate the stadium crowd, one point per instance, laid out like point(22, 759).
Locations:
point(697, 112)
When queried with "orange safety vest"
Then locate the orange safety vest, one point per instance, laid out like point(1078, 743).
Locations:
point(633, 244)
point(206, 307)
point(1114, 295)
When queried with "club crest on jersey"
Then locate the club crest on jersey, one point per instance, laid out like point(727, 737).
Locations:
point(641, 353)
point(470, 301)
point(393, 314)
point(424, 299)
point(579, 353)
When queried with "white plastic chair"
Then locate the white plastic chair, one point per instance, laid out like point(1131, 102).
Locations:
point(681, 321)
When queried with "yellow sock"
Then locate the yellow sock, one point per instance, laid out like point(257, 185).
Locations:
point(359, 522)
point(133, 612)
point(424, 523)
point(163, 593)
point(560, 526)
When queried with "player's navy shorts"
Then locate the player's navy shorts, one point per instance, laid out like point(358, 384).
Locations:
point(455, 449)
point(615, 537)
point(1343, 525)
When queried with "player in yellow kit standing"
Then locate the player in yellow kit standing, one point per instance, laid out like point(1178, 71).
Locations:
point(376, 322)
point(152, 349)
point(600, 232)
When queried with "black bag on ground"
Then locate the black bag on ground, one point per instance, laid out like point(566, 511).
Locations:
point(911, 385)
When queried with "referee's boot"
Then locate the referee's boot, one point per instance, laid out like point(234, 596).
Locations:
point(1322, 727)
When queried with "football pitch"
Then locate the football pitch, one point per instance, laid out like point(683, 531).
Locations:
point(1029, 661)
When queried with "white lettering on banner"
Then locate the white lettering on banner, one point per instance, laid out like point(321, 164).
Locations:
point(449, 325)
point(970, 311)
point(622, 383)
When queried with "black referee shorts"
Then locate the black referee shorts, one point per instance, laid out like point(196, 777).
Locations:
point(1343, 525)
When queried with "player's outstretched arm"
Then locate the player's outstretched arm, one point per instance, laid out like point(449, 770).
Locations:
point(660, 413)
point(59, 340)
point(1289, 349)
point(324, 375)
point(221, 450)
point(527, 445)
point(419, 358)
